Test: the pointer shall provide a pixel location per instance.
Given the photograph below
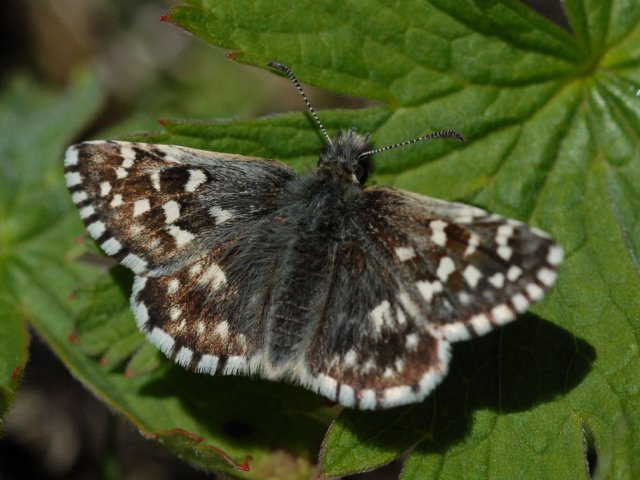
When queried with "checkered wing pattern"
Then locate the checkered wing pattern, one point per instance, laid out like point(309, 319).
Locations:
point(242, 266)
point(143, 204)
point(430, 273)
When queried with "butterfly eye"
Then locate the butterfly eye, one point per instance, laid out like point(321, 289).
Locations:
point(362, 168)
point(361, 173)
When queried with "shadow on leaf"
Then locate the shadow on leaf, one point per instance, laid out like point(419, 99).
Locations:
point(515, 368)
point(247, 412)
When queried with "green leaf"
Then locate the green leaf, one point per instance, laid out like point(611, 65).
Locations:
point(36, 224)
point(553, 122)
point(553, 125)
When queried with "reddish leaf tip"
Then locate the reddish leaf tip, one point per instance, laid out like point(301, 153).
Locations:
point(129, 373)
point(244, 466)
point(72, 338)
point(16, 372)
point(164, 18)
point(163, 121)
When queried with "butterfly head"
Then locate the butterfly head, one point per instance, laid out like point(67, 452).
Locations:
point(343, 157)
point(349, 156)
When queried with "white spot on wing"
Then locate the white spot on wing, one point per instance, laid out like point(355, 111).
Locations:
point(182, 237)
point(445, 268)
point(73, 178)
point(207, 364)
point(480, 324)
point(234, 365)
point(155, 180)
point(135, 263)
point(514, 273)
point(431, 378)
point(116, 201)
point(184, 356)
point(438, 236)
point(367, 399)
point(428, 289)
point(400, 316)
point(162, 340)
point(111, 246)
point(214, 275)
point(399, 364)
point(141, 206)
point(347, 396)
point(87, 212)
point(96, 229)
point(520, 302)
point(474, 241)
point(327, 386)
point(556, 255)
point(381, 315)
point(171, 211)
point(196, 178)
point(464, 298)
point(505, 252)
point(497, 280)
point(105, 189)
point(547, 276)
point(454, 332)
point(142, 315)
point(128, 155)
point(173, 286)
point(405, 253)
point(121, 172)
point(78, 197)
point(503, 234)
point(350, 358)
point(395, 396)
point(501, 314)
point(220, 215)
point(534, 291)
point(411, 342)
point(71, 157)
point(222, 329)
point(472, 275)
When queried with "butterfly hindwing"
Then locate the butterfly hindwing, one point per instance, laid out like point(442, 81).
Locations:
point(373, 352)
point(419, 273)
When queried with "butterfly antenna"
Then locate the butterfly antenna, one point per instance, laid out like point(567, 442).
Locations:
point(287, 71)
point(430, 136)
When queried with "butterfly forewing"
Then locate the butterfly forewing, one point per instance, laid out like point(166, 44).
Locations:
point(156, 207)
point(212, 314)
point(467, 270)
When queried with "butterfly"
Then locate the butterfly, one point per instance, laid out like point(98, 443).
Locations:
point(244, 266)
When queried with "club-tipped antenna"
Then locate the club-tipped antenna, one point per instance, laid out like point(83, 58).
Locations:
point(287, 71)
point(430, 136)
